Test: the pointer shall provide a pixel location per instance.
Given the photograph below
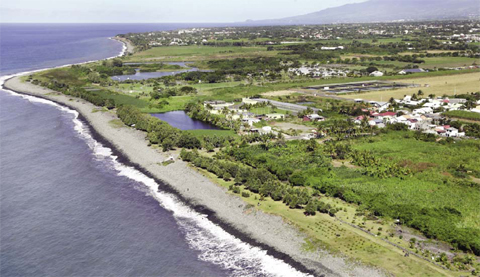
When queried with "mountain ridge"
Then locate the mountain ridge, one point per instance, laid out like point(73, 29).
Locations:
point(385, 11)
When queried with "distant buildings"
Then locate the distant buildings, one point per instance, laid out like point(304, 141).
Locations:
point(413, 70)
point(332, 48)
point(376, 74)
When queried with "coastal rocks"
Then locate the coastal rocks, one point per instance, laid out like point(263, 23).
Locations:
point(270, 232)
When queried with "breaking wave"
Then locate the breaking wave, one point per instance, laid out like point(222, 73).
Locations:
point(214, 244)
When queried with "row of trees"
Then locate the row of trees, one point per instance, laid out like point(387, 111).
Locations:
point(261, 181)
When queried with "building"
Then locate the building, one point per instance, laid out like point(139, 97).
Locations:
point(313, 117)
point(411, 71)
point(218, 104)
point(249, 101)
point(381, 106)
point(275, 116)
point(376, 74)
point(295, 108)
point(453, 132)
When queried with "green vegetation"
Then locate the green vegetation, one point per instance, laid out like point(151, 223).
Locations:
point(365, 177)
point(423, 194)
point(210, 132)
point(463, 115)
point(197, 53)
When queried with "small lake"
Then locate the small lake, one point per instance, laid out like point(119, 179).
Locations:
point(180, 120)
point(149, 75)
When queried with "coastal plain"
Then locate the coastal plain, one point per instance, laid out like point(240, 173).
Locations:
point(321, 243)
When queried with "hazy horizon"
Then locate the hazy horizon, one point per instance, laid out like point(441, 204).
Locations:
point(151, 11)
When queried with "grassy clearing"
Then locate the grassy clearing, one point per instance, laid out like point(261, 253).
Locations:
point(267, 110)
point(449, 62)
point(438, 85)
point(219, 133)
point(435, 62)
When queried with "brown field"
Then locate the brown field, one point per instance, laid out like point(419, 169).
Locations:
point(279, 93)
point(448, 85)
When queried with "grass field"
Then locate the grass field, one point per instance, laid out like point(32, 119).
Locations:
point(220, 133)
point(267, 110)
point(463, 115)
point(438, 85)
point(435, 62)
point(199, 53)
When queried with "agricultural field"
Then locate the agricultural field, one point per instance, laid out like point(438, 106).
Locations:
point(430, 160)
point(463, 115)
point(198, 53)
point(439, 85)
point(326, 232)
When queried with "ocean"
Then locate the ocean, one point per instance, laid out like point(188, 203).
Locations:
point(68, 207)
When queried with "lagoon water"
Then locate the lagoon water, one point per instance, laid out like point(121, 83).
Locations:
point(149, 75)
point(69, 208)
point(180, 120)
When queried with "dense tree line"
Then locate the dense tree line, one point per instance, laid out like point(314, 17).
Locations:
point(261, 181)
point(242, 66)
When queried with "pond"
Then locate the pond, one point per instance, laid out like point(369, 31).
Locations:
point(149, 75)
point(180, 120)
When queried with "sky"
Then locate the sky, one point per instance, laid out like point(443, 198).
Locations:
point(157, 11)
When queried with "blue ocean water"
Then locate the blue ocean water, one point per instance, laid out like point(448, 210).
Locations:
point(69, 208)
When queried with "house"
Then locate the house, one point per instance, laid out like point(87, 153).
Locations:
point(476, 109)
point(411, 71)
point(266, 130)
point(456, 100)
point(216, 105)
point(275, 116)
point(250, 121)
point(453, 132)
point(424, 110)
point(313, 117)
point(332, 48)
point(385, 114)
point(376, 74)
point(424, 126)
point(249, 101)
point(381, 106)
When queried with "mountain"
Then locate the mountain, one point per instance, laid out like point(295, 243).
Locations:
point(387, 11)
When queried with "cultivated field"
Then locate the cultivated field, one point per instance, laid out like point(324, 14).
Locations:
point(449, 85)
point(199, 53)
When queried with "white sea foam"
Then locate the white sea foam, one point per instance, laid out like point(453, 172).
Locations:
point(214, 244)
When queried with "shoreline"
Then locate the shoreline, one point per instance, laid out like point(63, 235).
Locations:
point(198, 192)
point(128, 46)
point(166, 187)
point(270, 232)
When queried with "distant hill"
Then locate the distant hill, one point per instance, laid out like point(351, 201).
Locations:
point(386, 11)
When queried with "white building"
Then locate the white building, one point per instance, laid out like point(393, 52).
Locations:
point(376, 74)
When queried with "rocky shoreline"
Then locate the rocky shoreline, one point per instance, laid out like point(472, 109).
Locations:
point(268, 231)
